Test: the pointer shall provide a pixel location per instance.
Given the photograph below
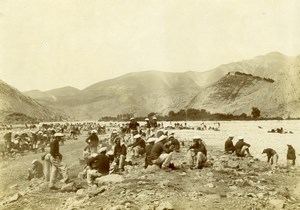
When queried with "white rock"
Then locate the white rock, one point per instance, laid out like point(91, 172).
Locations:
point(15, 197)
point(111, 178)
point(279, 204)
point(210, 185)
point(165, 206)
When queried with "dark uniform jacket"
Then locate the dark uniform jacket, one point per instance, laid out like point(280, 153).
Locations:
point(229, 147)
point(270, 152)
point(157, 149)
point(101, 163)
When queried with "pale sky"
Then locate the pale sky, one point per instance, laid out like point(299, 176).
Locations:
point(47, 44)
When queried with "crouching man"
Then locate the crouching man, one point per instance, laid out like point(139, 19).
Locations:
point(197, 152)
point(98, 165)
point(160, 154)
point(272, 156)
point(36, 171)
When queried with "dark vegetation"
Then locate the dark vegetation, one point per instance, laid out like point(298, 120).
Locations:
point(256, 77)
point(194, 115)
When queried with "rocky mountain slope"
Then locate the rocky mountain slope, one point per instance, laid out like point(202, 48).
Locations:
point(213, 90)
point(13, 101)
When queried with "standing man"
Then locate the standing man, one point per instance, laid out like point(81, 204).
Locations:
point(56, 162)
point(8, 145)
point(93, 142)
point(134, 128)
point(148, 127)
point(229, 147)
point(291, 155)
point(153, 125)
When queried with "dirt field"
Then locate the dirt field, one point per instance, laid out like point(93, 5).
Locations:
point(230, 183)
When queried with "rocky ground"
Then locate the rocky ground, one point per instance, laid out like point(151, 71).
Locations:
point(230, 183)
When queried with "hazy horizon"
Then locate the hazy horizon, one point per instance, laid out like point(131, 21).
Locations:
point(52, 44)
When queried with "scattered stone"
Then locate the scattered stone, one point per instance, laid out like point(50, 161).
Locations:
point(251, 195)
point(233, 164)
point(80, 191)
point(14, 198)
point(164, 183)
point(14, 186)
point(210, 174)
point(165, 206)
point(92, 192)
point(111, 178)
point(118, 207)
point(279, 204)
point(233, 187)
point(70, 187)
point(210, 185)
point(152, 168)
point(147, 207)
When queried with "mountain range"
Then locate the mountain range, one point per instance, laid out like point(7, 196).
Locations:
point(270, 82)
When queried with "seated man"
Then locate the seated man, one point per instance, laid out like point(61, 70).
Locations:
point(98, 165)
point(120, 152)
point(36, 171)
point(150, 143)
point(272, 155)
point(197, 151)
point(160, 154)
point(229, 147)
point(174, 143)
point(138, 146)
point(241, 147)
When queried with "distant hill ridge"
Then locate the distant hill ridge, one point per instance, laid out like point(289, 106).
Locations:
point(269, 82)
point(14, 103)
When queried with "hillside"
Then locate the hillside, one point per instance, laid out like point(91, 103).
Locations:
point(13, 102)
point(52, 95)
point(214, 90)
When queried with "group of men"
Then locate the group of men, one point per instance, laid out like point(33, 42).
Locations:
point(54, 167)
point(154, 147)
point(241, 149)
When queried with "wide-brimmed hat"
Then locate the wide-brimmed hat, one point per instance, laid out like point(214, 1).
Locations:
point(102, 149)
point(161, 138)
point(197, 138)
point(58, 135)
point(152, 139)
point(94, 154)
point(230, 135)
point(114, 131)
point(93, 131)
point(35, 160)
point(147, 119)
point(110, 152)
point(240, 138)
point(137, 136)
point(154, 118)
point(132, 118)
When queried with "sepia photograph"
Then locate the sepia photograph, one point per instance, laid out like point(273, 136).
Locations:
point(149, 105)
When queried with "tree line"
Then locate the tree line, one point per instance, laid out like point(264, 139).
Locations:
point(193, 115)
